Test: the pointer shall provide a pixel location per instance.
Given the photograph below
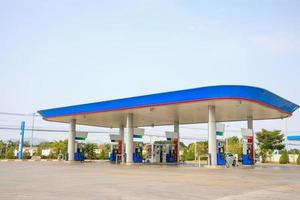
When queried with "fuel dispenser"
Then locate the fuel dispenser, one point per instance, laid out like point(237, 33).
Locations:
point(80, 137)
point(248, 152)
point(138, 145)
point(116, 151)
point(248, 147)
point(138, 152)
point(172, 154)
point(166, 152)
point(159, 153)
point(79, 154)
point(149, 153)
point(221, 152)
point(115, 148)
point(173, 148)
point(220, 130)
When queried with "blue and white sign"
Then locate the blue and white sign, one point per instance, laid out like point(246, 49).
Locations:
point(220, 129)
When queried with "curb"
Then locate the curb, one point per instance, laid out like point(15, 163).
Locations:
point(29, 160)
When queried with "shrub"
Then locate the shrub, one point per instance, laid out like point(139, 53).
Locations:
point(284, 159)
point(10, 153)
point(298, 159)
point(52, 155)
point(26, 155)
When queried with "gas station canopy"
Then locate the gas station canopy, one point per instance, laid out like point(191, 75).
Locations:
point(233, 103)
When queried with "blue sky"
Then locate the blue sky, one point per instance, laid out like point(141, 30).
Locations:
point(57, 53)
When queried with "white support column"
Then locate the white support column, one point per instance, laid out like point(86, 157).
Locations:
point(123, 143)
point(176, 130)
point(129, 139)
point(212, 139)
point(71, 141)
point(250, 122)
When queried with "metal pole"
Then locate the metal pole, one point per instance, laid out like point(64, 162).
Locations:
point(6, 149)
point(195, 148)
point(31, 146)
point(176, 130)
point(226, 139)
point(151, 145)
point(285, 132)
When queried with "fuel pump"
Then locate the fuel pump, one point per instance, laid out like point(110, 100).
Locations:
point(157, 153)
point(163, 153)
point(113, 153)
point(160, 152)
point(172, 153)
point(80, 145)
point(115, 148)
point(248, 151)
point(138, 152)
point(220, 152)
point(79, 154)
point(138, 145)
point(149, 153)
point(173, 148)
point(248, 147)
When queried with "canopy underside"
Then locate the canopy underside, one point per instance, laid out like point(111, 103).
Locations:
point(186, 113)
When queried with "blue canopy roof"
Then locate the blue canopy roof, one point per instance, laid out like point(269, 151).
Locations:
point(254, 94)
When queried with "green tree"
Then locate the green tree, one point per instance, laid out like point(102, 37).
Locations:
point(89, 150)
point(189, 151)
point(284, 159)
point(38, 151)
point(294, 151)
point(104, 151)
point(268, 141)
point(2, 149)
point(185, 152)
point(202, 148)
point(10, 153)
point(103, 155)
point(26, 144)
point(298, 159)
point(52, 155)
point(26, 155)
point(234, 145)
point(56, 147)
point(11, 143)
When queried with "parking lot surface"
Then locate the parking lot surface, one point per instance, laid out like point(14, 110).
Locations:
point(102, 180)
